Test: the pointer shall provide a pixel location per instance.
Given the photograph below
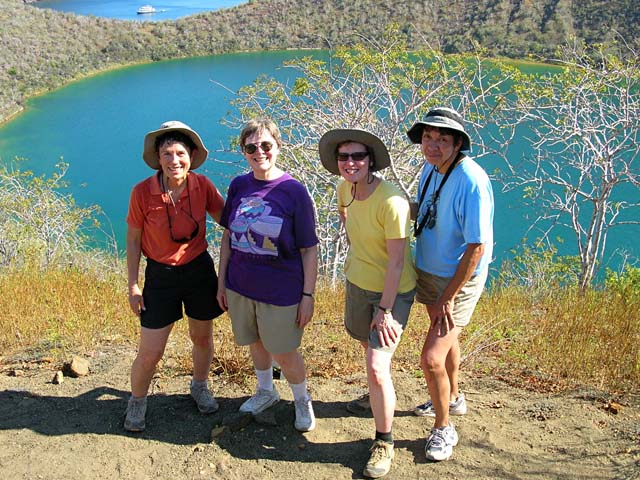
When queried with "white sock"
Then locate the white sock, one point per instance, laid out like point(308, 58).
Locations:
point(299, 390)
point(265, 379)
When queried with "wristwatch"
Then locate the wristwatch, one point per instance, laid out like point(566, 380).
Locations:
point(387, 311)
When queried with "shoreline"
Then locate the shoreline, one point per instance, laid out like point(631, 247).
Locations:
point(22, 108)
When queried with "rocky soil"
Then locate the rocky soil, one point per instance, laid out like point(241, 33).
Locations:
point(73, 430)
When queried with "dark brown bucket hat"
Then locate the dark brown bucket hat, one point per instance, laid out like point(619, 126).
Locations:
point(442, 117)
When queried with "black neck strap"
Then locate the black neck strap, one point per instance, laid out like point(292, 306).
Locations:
point(418, 227)
point(166, 206)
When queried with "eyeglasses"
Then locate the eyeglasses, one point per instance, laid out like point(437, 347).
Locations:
point(356, 156)
point(251, 148)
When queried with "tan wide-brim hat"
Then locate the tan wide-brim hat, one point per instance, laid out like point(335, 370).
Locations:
point(441, 117)
point(329, 146)
point(150, 154)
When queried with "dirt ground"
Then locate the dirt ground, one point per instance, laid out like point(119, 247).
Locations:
point(73, 430)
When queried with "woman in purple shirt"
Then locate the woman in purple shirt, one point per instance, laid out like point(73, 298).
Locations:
point(268, 259)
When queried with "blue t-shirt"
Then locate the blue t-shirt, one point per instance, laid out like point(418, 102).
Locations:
point(269, 221)
point(464, 215)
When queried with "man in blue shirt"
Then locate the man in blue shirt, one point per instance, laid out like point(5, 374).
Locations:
point(454, 243)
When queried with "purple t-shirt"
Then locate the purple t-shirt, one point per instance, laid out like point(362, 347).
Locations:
point(269, 221)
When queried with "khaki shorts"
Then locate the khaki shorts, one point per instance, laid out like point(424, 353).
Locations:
point(362, 305)
point(430, 287)
point(274, 325)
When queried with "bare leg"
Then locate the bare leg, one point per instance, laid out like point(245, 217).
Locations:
point(201, 333)
point(262, 359)
point(150, 351)
point(435, 353)
point(292, 366)
point(452, 365)
point(381, 392)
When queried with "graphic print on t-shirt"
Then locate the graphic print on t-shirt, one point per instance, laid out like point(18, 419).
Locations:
point(253, 230)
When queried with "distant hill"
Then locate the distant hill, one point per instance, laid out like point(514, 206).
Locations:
point(44, 49)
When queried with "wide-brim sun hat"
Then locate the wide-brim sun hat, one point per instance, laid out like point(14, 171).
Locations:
point(441, 117)
point(329, 142)
point(150, 155)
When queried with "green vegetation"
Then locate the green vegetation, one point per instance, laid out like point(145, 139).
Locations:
point(568, 337)
point(580, 151)
point(60, 295)
point(44, 49)
point(535, 318)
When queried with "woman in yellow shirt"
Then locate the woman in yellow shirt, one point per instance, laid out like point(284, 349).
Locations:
point(380, 276)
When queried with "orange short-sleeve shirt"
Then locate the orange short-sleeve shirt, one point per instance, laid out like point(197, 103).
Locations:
point(149, 208)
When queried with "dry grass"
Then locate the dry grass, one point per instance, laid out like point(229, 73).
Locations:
point(58, 310)
point(592, 338)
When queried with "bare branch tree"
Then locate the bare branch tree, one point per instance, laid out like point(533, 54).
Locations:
point(583, 126)
point(39, 223)
point(381, 87)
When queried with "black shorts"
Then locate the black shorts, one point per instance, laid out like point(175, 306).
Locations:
point(168, 287)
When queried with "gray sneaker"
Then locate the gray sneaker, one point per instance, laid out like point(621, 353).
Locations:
point(379, 463)
point(440, 443)
point(203, 397)
point(136, 410)
point(457, 407)
point(305, 418)
point(262, 400)
point(360, 406)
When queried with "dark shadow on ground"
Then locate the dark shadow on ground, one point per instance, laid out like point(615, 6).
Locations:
point(175, 419)
point(170, 418)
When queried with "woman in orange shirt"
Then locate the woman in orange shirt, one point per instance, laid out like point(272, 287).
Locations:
point(167, 224)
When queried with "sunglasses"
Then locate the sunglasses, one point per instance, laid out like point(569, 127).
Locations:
point(356, 156)
point(253, 147)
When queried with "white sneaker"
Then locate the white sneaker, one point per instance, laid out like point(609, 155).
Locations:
point(259, 402)
point(457, 407)
point(440, 443)
point(305, 418)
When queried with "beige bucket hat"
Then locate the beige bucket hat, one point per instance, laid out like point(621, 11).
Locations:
point(329, 144)
point(150, 155)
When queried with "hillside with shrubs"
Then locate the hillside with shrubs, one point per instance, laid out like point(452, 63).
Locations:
point(44, 49)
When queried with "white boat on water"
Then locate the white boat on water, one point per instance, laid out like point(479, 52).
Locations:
point(146, 9)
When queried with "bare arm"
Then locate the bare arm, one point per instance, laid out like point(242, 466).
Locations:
point(413, 207)
point(134, 249)
point(217, 214)
point(225, 253)
point(310, 269)
point(389, 329)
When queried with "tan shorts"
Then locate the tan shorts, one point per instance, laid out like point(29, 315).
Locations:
point(361, 307)
point(430, 287)
point(274, 325)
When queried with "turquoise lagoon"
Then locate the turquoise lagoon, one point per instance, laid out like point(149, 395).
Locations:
point(127, 9)
point(97, 126)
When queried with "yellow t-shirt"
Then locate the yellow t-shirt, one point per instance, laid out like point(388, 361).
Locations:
point(370, 223)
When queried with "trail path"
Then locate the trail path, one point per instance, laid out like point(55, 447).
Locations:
point(73, 431)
